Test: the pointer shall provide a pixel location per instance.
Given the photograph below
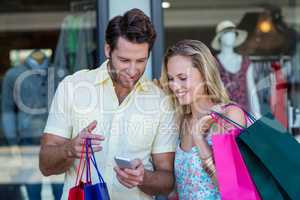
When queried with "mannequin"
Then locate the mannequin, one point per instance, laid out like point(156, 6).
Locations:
point(236, 70)
point(38, 56)
point(25, 90)
point(24, 106)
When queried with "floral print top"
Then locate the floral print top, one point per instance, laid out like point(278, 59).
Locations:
point(192, 182)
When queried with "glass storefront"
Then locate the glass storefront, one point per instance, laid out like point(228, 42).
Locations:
point(271, 48)
point(41, 43)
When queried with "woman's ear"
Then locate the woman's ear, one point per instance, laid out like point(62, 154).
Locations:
point(107, 50)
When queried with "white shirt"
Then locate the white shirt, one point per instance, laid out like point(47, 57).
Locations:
point(142, 125)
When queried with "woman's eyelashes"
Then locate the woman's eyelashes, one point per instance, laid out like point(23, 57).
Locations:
point(170, 78)
point(181, 78)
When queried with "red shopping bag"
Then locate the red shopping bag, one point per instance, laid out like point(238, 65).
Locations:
point(77, 192)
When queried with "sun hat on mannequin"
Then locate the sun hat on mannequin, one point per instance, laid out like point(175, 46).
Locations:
point(225, 26)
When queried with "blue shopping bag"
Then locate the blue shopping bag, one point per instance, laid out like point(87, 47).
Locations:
point(99, 190)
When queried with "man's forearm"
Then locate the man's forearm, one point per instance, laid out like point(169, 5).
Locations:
point(54, 159)
point(157, 182)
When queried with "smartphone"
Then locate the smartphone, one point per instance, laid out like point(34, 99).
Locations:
point(123, 162)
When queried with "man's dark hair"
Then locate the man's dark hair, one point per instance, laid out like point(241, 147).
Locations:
point(134, 26)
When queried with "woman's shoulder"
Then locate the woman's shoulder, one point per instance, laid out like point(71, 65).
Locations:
point(236, 114)
point(231, 111)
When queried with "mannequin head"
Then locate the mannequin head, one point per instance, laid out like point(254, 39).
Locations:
point(227, 39)
point(227, 35)
point(37, 60)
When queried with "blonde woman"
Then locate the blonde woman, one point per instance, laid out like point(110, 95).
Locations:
point(190, 74)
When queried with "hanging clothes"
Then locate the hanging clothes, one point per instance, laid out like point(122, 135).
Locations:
point(262, 77)
point(236, 83)
point(267, 77)
point(26, 97)
point(279, 96)
point(86, 47)
point(76, 47)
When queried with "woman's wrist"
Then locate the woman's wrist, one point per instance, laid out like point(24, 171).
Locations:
point(200, 141)
point(208, 165)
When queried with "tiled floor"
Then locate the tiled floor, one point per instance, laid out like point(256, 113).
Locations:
point(21, 165)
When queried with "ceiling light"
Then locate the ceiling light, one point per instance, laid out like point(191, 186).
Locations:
point(166, 4)
point(265, 26)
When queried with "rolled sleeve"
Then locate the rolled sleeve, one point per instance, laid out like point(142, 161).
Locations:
point(59, 118)
point(167, 135)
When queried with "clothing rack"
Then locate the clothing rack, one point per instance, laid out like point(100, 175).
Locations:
point(79, 6)
point(265, 62)
point(76, 46)
point(271, 58)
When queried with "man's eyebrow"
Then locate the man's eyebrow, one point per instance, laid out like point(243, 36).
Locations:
point(120, 57)
point(145, 58)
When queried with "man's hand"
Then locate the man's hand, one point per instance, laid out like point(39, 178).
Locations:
point(74, 147)
point(131, 177)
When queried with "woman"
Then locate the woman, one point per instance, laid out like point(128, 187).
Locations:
point(190, 74)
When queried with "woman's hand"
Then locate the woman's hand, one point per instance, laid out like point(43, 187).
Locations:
point(201, 127)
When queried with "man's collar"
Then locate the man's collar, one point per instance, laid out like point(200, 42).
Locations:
point(103, 75)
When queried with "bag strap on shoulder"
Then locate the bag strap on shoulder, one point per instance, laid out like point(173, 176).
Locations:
point(216, 115)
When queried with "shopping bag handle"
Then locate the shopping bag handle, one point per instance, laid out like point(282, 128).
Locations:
point(237, 125)
point(247, 114)
point(87, 160)
point(250, 116)
point(77, 182)
point(93, 159)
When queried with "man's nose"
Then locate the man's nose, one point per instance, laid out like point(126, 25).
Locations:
point(131, 70)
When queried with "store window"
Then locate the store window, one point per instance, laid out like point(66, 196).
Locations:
point(265, 76)
point(41, 43)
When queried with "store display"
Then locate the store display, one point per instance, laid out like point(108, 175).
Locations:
point(235, 70)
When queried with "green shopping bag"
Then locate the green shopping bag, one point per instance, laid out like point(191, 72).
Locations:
point(265, 183)
point(272, 156)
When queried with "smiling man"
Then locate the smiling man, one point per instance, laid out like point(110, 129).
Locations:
point(127, 115)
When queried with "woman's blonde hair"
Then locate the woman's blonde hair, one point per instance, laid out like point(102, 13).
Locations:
point(207, 65)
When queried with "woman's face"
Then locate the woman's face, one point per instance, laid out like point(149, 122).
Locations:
point(184, 80)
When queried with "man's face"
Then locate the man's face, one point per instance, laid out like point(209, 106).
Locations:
point(127, 62)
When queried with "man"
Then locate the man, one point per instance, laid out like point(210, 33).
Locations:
point(134, 118)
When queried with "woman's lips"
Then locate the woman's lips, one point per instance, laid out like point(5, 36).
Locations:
point(180, 94)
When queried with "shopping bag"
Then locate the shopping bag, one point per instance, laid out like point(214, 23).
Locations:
point(99, 190)
point(234, 180)
point(267, 186)
point(77, 192)
point(272, 157)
